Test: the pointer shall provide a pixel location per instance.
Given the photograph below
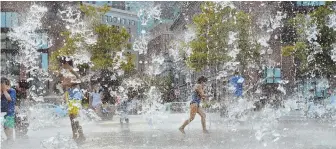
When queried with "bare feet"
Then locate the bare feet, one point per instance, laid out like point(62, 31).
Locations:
point(182, 130)
point(206, 131)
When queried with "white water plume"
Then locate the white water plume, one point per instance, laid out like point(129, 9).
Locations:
point(79, 26)
point(146, 11)
point(225, 4)
point(140, 45)
point(332, 21)
point(333, 52)
point(157, 66)
point(29, 34)
point(152, 108)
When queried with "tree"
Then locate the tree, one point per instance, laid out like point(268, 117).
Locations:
point(109, 41)
point(212, 44)
point(313, 53)
point(212, 31)
point(249, 53)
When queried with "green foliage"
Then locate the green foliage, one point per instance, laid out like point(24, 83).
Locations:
point(249, 50)
point(110, 39)
point(164, 84)
point(69, 48)
point(211, 45)
point(303, 48)
point(129, 65)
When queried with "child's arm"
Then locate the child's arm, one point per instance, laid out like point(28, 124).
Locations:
point(200, 91)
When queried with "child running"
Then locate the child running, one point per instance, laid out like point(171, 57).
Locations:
point(73, 96)
point(197, 95)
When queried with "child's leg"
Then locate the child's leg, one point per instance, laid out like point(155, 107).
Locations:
point(73, 126)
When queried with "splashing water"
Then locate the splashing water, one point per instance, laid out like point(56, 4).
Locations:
point(152, 108)
point(26, 34)
point(146, 11)
point(59, 142)
point(157, 66)
point(333, 53)
point(140, 45)
point(332, 21)
point(77, 25)
point(31, 36)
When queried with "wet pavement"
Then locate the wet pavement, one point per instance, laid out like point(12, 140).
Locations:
point(289, 133)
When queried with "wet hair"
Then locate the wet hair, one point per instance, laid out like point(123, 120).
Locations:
point(201, 79)
point(65, 60)
point(5, 81)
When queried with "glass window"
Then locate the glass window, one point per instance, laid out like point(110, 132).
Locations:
point(3, 19)
point(9, 19)
point(133, 22)
point(310, 3)
point(123, 21)
point(115, 19)
point(129, 22)
point(272, 75)
point(44, 57)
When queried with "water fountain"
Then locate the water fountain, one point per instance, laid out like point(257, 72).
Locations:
point(264, 124)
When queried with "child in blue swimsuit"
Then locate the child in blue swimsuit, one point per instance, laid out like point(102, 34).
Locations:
point(197, 95)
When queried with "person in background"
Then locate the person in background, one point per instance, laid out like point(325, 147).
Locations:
point(8, 99)
point(237, 82)
point(125, 108)
point(96, 102)
point(197, 96)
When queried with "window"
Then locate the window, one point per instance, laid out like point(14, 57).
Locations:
point(133, 22)
point(115, 19)
point(310, 3)
point(272, 75)
point(129, 22)
point(123, 21)
point(9, 19)
point(110, 18)
point(44, 63)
